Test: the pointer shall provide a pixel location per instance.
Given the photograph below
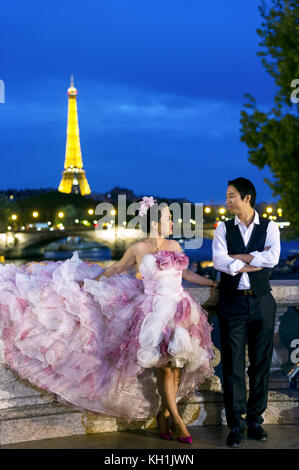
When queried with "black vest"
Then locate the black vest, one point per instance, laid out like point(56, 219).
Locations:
point(259, 280)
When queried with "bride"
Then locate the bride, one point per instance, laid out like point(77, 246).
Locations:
point(167, 376)
point(106, 341)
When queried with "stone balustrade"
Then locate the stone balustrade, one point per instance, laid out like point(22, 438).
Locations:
point(28, 413)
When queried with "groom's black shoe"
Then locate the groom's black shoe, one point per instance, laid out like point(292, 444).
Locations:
point(235, 437)
point(256, 431)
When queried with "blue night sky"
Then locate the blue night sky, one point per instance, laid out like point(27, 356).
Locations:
point(161, 84)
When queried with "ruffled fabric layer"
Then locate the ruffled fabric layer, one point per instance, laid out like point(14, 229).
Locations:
point(98, 346)
point(50, 328)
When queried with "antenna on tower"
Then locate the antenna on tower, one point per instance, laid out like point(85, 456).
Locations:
point(72, 80)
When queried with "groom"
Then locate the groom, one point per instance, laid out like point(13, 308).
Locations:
point(245, 248)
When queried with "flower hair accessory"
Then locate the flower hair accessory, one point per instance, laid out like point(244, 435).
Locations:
point(145, 204)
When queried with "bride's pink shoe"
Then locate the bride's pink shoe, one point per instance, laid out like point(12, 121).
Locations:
point(163, 435)
point(185, 440)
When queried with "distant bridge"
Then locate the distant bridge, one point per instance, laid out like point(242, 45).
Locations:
point(19, 244)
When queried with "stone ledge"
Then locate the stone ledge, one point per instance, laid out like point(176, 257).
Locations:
point(15, 391)
point(35, 411)
point(23, 429)
point(285, 292)
point(56, 420)
point(206, 408)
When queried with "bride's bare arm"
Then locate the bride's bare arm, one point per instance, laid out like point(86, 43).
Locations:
point(128, 260)
point(195, 278)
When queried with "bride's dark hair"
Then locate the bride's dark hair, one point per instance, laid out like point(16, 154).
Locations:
point(152, 214)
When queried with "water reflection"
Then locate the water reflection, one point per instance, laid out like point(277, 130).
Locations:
point(200, 259)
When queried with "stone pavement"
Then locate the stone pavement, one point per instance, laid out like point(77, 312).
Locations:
point(204, 437)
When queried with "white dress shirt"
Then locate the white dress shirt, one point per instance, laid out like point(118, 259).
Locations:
point(261, 259)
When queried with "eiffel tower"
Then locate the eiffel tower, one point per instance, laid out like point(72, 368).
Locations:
point(73, 177)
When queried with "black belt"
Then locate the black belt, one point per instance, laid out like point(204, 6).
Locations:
point(243, 292)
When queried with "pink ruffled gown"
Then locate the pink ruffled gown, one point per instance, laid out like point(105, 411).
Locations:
point(98, 346)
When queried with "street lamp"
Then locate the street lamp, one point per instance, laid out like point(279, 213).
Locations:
point(61, 215)
point(269, 210)
point(35, 214)
point(90, 211)
point(222, 210)
point(207, 210)
point(14, 216)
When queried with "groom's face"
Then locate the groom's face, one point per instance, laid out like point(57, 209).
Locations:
point(234, 202)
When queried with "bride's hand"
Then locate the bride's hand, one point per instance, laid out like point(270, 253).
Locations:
point(215, 284)
point(81, 283)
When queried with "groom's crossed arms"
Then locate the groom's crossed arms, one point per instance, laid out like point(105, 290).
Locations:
point(240, 263)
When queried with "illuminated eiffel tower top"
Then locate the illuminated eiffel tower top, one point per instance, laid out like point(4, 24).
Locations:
point(73, 177)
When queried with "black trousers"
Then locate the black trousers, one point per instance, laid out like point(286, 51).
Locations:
point(246, 319)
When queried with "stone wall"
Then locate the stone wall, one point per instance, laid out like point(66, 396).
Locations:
point(28, 413)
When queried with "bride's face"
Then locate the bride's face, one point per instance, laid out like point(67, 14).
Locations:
point(165, 223)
